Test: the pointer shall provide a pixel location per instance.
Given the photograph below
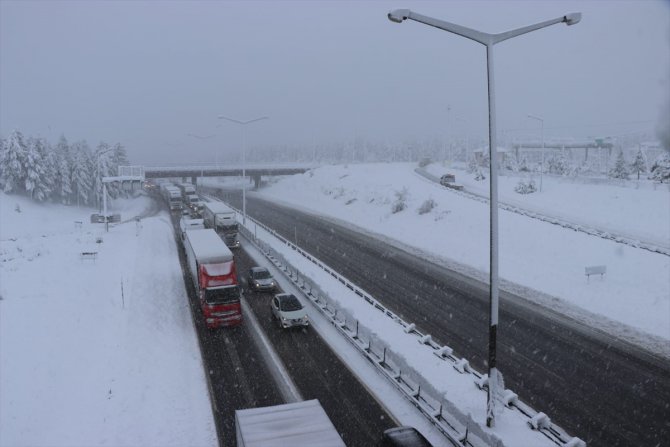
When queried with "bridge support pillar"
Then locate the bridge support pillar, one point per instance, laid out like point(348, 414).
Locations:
point(257, 181)
point(194, 180)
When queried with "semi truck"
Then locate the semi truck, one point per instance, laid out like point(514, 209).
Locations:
point(221, 218)
point(186, 224)
point(299, 424)
point(212, 269)
point(172, 196)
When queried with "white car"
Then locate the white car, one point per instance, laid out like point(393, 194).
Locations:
point(288, 311)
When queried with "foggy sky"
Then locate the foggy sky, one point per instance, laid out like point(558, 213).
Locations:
point(155, 76)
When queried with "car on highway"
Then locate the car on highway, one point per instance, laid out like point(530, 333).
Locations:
point(288, 311)
point(260, 279)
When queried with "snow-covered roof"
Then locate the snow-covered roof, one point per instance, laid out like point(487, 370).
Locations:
point(208, 246)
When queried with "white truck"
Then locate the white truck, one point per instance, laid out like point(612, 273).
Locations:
point(186, 224)
point(299, 424)
point(172, 196)
point(221, 218)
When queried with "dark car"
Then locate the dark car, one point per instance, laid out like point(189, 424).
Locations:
point(260, 279)
point(403, 437)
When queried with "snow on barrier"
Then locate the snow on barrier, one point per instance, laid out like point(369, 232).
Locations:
point(435, 406)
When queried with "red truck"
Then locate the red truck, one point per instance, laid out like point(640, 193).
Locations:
point(214, 277)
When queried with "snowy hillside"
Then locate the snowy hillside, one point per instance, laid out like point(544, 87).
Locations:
point(95, 351)
point(542, 262)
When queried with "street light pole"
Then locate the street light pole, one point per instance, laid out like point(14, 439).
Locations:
point(542, 164)
point(244, 159)
point(488, 40)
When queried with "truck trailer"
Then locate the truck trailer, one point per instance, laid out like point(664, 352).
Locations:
point(299, 424)
point(212, 269)
point(221, 218)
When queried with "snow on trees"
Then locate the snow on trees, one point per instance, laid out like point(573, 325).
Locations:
point(64, 173)
point(660, 170)
point(639, 165)
point(82, 179)
point(12, 155)
point(620, 170)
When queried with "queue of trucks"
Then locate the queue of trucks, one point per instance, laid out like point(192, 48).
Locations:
point(211, 265)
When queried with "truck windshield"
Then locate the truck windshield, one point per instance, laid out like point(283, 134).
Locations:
point(222, 295)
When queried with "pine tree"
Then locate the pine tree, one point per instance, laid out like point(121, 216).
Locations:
point(63, 171)
point(12, 156)
point(39, 173)
point(639, 164)
point(82, 173)
point(619, 170)
point(661, 168)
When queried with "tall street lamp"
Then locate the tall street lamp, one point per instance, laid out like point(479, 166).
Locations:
point(488, 40)
point(244, 159)
point(542, 164)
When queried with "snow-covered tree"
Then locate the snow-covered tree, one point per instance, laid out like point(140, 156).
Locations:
point(660, 170)
point(63, 171)
point(39, 175)
point(620, 170)
point(12, 156)
point(639, 165)
point(82, 173)
point(557, 164)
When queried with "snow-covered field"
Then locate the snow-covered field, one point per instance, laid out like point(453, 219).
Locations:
point(540, 261)
point(96, 352)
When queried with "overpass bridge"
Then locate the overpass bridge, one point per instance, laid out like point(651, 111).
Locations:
point(254, 171)
point(183, 172)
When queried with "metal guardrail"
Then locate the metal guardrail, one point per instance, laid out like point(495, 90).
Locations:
point(458, 427)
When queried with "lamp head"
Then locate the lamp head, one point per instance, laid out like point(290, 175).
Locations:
point(572, 18)
point(398, 15)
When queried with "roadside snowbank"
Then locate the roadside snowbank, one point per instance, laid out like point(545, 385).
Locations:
point(96, 351)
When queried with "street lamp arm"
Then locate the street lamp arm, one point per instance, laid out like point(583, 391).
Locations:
point(221, 117)
point(569, 19)
point(399, 15)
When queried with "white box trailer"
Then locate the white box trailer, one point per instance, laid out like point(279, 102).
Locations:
point(299, 424)
point(220, 217)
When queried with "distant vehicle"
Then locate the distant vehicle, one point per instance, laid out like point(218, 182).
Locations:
point(404, 437)
point(194, 203)
point(221, 217)
point(214, 276)
point(299, 424)
point(172, 196)
point(186, 223)
point(288, 311)
point(231, 240)
point(447, 178)
point(260, 279)
point(100, 218)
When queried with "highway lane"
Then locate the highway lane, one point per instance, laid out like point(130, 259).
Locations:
point(319, 374)
point(595, 387)
point(239, 378)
